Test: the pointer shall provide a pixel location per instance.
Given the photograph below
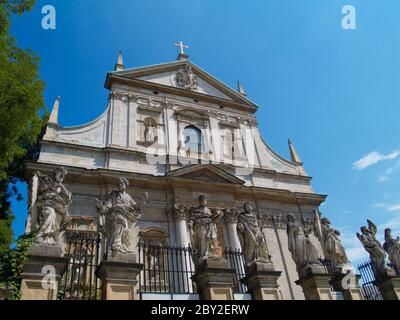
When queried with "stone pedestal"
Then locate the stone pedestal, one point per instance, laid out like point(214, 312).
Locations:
point(119, 277)
point(389, 285)
point(262, 281)
point(41, 272)
point(314, 281)
point(349, 287)
point(214, 279)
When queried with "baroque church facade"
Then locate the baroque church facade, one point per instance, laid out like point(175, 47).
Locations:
point(185, 144)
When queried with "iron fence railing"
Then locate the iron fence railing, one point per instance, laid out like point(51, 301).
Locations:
point(166, 269)
point(80, 281)
point(369, 289)
point(236, 262)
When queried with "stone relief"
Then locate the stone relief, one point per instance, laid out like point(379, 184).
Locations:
point(251, 237)
point(332, 245)
point(122, 95)
point(202, 224)
point(392, 247)
point(186, 78)
point(53, 202)
point(373, 247)
point(119, 215)
point(303, 251)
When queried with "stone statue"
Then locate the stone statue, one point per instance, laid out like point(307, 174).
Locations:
point(374, 248)
point(251, 237)
point(204, 231)
point(119, 215)
point(333, 248)
point(150, 126)
point(392, 247)
point(303, 251)
point(53, 203)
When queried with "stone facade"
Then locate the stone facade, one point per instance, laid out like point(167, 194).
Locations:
point(141, 136)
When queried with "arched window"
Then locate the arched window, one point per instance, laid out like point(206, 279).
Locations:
point(193, 139)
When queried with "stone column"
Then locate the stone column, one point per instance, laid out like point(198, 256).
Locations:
point(231, 220)
point(314, 281)
point(180, 214)
point(262, 281)
point(42, 271)
point(389, 285)
point(349, 287)
point(119, 277)
point(214, 279)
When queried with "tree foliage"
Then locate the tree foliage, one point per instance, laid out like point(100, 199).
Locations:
point(22, 111)
point(11, 265)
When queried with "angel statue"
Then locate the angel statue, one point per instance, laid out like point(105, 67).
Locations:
point(251, 237)
point(119, 214)
point(53, 203)
point(302, 249)
point(333, 247)
point(373, 247)
point(203, 230)
point(392, 247)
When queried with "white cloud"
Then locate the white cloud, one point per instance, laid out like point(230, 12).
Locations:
point(387, 207)
point(373, 158)
point(354, 249)
point(389, 171)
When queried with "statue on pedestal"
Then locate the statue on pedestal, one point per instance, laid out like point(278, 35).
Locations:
point(303, 251)
point(119, 216)
point(203, 230)
point(333, 247)
point(53, 202)
point(374, 248)
point(392, 247)
point(251, 237)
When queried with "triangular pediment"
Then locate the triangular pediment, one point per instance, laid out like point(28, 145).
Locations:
point(185, 75)
point(206, 173)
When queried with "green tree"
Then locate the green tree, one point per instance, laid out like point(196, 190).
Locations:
point(11, 265)
point(22, 111)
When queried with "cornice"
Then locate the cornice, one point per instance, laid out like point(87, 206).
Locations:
point(166, 183)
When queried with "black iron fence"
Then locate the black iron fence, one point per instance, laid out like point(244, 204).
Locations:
point(369, 289)
point(328, 265)
point(80, 281)
point(235, 260)
point(166, 269)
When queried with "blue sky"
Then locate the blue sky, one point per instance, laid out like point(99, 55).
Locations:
point(334, 92)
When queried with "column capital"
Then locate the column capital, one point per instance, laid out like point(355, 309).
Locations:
point(280, 221)
point(232, 215)
point(179, 212)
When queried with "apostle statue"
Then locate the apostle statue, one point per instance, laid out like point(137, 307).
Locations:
point(251, 237)
point(392, 247)
point(333, 247)
point(204, 231)
point(150, 127)
point(374, 248)
point(119, 214)
point(53, 203)
point(302, 249)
